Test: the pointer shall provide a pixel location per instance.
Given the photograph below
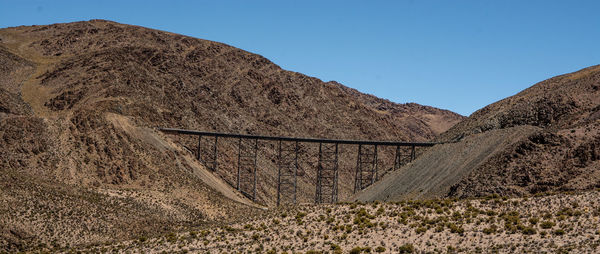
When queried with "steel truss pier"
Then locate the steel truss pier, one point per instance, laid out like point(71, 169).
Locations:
point(246, 170)
point(208, 157)
point(327, 173)
point(403, 156)
point(288, 172)
point(366, 167)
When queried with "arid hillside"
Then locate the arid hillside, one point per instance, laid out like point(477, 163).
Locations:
point(545, 138)
point(82, 162)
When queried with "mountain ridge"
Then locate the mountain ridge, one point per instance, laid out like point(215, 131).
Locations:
point(556, 149)
point(82, 103)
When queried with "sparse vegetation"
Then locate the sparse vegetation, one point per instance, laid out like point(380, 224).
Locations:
point(351, 227)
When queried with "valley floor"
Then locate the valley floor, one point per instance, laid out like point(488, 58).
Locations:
point(564, 222)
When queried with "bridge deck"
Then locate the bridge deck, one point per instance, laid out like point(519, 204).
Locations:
point(308, 140)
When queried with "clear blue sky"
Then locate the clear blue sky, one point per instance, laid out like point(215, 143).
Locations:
point(457, 55)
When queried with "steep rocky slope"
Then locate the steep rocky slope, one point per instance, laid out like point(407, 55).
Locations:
point(559, 151)
point(81, 159)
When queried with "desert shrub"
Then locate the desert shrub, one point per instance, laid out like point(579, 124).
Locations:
point(300, 215)
point(321, 217)
point(512, 218)
point(383, 225)
point(171, 237)
point(528, 231)
point(421, 230)
point(349, 229)
point(491, 230)
point(439, 228)
point(547, 224)
point(380, 211)
point(402, 221)
point(330, 220)
point(533, 220)
point(380, 249)
point(456, 229)
point(356, 250)
point(456, 216)
point(335, 247)
point(558, 232)
point(406, 248)
point(565, 211)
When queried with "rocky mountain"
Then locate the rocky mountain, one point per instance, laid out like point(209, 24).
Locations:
point(82, 162)
point(545, 138)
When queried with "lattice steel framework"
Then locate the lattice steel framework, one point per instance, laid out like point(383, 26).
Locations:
point(210, 156)
point(327, 173)
point(288, 171)
point(327, 176)
point(366, 167)
point(246, 171)
point(403, 157)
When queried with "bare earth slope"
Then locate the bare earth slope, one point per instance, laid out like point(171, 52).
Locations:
point(547, 139)
point(81, 161)
point(434, 172)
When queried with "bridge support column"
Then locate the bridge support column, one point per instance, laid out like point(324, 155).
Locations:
point(327, 173)
point(404, 156)
point(397, 158)
point(199, 151)
point(208, 160)
point(215, 154)
point(288, 171)
point(246, 171)
point(366, 167)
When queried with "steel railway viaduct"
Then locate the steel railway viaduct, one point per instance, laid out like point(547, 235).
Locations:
point(287, 161)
